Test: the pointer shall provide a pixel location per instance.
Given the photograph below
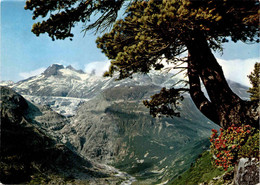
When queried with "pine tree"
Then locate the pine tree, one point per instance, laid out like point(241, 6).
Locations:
point(62, 15)
point(163, 29)
point(254, 78)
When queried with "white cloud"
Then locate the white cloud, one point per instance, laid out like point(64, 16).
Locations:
point(99, 67)
point(25, 75)
point(237, 70)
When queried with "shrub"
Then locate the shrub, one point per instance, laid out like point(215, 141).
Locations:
point(251, 147)
point(234, 143)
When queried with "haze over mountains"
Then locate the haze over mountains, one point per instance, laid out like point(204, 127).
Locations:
point(106, 121)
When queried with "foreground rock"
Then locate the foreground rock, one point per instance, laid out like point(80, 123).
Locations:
point(247, 172)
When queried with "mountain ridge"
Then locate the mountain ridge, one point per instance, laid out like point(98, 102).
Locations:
point(75, 84)
point(108, 122)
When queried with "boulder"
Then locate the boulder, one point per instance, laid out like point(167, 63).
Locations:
point(247, 172)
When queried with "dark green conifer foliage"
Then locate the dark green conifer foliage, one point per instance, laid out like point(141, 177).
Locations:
point(153, 30)
point(156, 30)
point(62, 15)
point(254, 78)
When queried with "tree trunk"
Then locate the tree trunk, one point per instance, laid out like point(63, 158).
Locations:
point(225, 107)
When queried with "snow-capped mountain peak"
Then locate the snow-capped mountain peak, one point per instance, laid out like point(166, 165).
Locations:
point(53, 70)
point(73, 69)
point(67, 85)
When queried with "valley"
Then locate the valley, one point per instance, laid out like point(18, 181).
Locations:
point(104, 121)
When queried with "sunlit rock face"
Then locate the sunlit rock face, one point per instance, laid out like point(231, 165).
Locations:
point(247, 172)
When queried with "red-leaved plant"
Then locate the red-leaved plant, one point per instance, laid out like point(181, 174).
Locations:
point(225, 146)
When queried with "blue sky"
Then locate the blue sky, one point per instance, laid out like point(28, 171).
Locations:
point(23, 54)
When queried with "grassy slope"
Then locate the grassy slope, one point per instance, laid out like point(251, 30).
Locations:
point(201, 171)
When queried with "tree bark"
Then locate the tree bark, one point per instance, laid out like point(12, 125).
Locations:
point(198, 97)
point(223, 103)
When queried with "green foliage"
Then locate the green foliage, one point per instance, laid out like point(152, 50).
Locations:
point(254, 78)
point(39, 179)
point(63, 15)
point(251, 147)
point(234, 143)
point(201, 171)
point(164, 103)
point(224, 17)
point(155, 29)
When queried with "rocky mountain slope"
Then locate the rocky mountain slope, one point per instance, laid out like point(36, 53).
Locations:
point(116, 128)
point(110, 124)
point(29, 155)
point(64, 88)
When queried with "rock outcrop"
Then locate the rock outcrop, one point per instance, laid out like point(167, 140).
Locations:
point(53, 70)
point(247, 172)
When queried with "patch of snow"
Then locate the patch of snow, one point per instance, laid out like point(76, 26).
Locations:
point(160, 127)
point(157, 143)
point(163, 160)
point(168, 124)
point(158, 171)
point(129, 179)
point(66, 106)
point(165, 182)
point(6, 83)
point(141, 161)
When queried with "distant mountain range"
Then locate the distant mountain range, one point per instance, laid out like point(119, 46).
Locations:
point(70, 86)
point(107, 122)
point(60, 86)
